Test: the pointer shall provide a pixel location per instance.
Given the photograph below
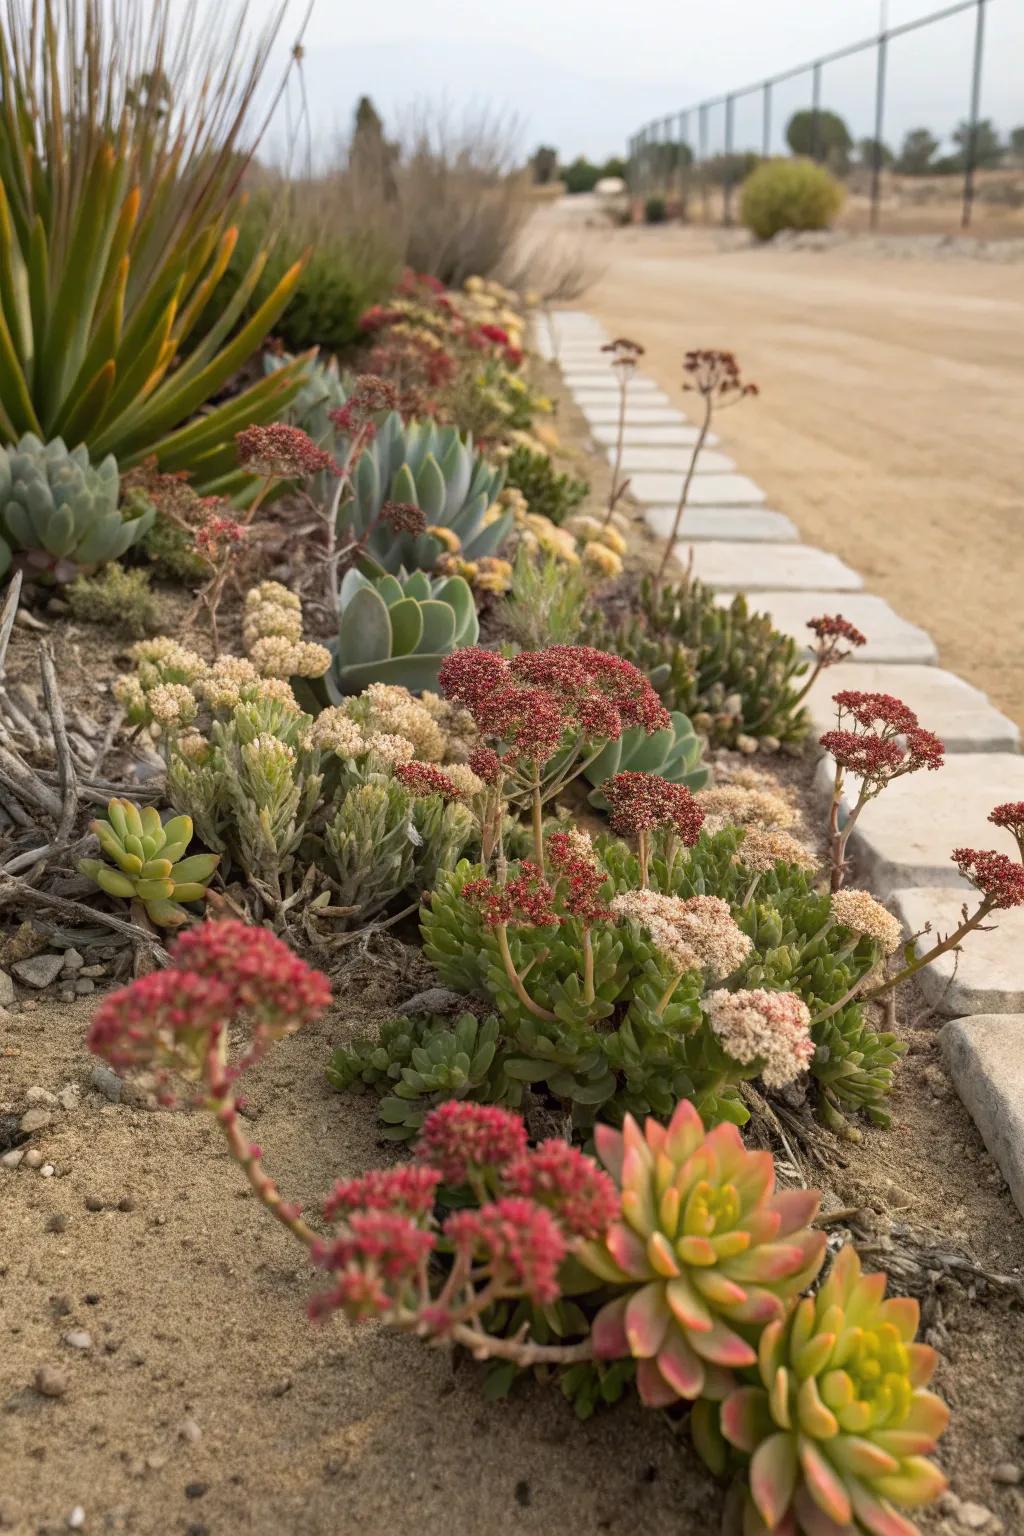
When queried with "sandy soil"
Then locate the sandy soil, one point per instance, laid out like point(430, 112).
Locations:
point(890, 419)
point(205, 1403)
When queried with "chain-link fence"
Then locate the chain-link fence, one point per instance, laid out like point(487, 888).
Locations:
point(693, 162)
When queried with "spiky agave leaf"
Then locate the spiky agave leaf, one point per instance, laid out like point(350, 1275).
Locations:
point(706, 1254)
point(837, 1420)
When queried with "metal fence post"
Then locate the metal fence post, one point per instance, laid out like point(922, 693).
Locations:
point(727, 189)
point(702, 128)
point(972, 137)
point(816, 112)
point(683, 124)
point(766, 124)
point(876, 148)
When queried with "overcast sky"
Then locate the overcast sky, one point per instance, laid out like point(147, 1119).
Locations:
point(584, 74)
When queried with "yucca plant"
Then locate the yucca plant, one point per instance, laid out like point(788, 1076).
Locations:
point(123, 139)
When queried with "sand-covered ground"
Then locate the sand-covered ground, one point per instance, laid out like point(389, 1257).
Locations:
point(890, 424)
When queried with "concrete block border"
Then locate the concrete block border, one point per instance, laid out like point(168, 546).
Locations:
point(904, 842)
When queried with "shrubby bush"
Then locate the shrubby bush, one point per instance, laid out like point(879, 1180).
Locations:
point(789, 194)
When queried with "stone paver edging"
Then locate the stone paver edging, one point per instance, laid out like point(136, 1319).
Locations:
point(903, 842)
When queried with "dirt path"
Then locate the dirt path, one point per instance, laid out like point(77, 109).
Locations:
point(891, 421)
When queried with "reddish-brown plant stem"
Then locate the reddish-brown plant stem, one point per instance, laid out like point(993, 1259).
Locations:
point(684, 493)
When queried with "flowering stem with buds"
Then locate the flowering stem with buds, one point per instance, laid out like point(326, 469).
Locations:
point(943, 947)
point(616, 489)
point(684, 493)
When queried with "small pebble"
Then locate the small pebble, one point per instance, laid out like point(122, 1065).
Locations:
point(70, 1097)
point(50, 1381)
point(47, 1171)
point(973, 1517)
point(190, 1431)
point(13, 1158)
point(1007, 1472)
point(281, 1387)
point(107, 1082)
point(73, 961)
point(126, 1203)
point(195, 1490)
point(8, 1514)
point(78, 1338)
point(76, 1519)
point(93, 1203)
point(93, 970)
point(37, 1095)
point(84, 986)
point(57, 1223)
point(34, 1158)
point(36, 1120)
point(39, 970)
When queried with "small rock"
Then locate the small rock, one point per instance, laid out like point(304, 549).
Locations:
point(78, 1338)
point(973, 1517)
point(12, 1159)
point(73, 961)
point(7, 992)
point(76, 1519)
point(66, 994)
point(41, 1096)
point(1007, 1472)
point(47, 1171)
point(84, 985)
point(195, 1490)
point(8, 1514)
point(281, 1387)
point(33, 1158)
point(35, 1120)
point(190, 1431)
point(50, 1381)
point(107, 1082)
point(70, 1097)
point(435, 1000)
point(39, 971)
point(57, 1223)
point(93, 970)
point(94, 1203)
point(126, 1203)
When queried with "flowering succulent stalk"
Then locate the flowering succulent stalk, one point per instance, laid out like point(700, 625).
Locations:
point(215, 543)
point(878, 738)
point(716, 378)
point(836, 1420)
point(625, 355)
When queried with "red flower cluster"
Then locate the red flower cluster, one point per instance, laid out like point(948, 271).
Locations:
point(378, 1252)
point(519, 1242)
point(459, 1138)
point(493, 333)
point(409, 1189)
point(583, 881)
point(1009, 815)
point(281, 452)
point(715, 373)
point(218, 533)
point(486, 764)
point(369, 396)
point(831, 629)
point(530, 702)
point(889, 743)
point(426, 779)
point(404, 516)
point(527, 900)
point(624, 352)
point(170, 1020)
point(639, 801)
point(996, 876)
point(581, 1195)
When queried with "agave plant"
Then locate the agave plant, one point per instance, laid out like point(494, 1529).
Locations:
point(430, 467)
point(704, 1251)
point(61, 513)
point(121, 150)
point(398, 629)
point(839, 1424)
point(148, 863)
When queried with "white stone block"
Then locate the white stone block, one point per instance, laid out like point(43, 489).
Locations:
point(890, 638)
point(652, 489)
point(637, 435)
point(737, 524)
point(904, 837)
point(596, 381)
point(675, 460)
point(742, 568)
point(601, 413)
point(986, 1062)
point(987, 976)
point(956, 711)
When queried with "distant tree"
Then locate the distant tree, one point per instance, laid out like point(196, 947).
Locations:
point(581, 175)
point(1016, 143)
point(919, 149)
point(866, 154)
point(370, 155)
point(614, 167)
point(821, 135)
point(988, 147)
point(544, 165)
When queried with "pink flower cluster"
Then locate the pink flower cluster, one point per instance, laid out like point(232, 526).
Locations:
point(171, 1020)
point(581, 1194)
point(377, 1255)
point(459, 1139)
point(410, 1189)
point(885, 740)
point(831, 631)
point(583, 881)
point(526, 900)
point(531, 702)
point(369, 396)
point(426, 779)
point(713, 372)
point(999, 878)
point(1010, 815)
point(519, 1243)
point(281, 452)
point(639, 802)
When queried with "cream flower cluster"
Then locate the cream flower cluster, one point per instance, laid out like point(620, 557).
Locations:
point(860, 911)
point(697, 932)
point(772, 1028)
point(762, 847)
point(732, 804)
point(270, 609)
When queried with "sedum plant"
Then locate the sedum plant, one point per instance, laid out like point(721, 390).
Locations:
point(398, 629)
point(149, 862)
point(121, 151)
point(684, 1263)
point(60, 513)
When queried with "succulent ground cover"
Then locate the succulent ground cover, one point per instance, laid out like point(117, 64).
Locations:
point(380, 742)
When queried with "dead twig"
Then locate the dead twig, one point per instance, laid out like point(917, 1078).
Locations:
point(12, 888)
point(67, 776)
point(7, 616)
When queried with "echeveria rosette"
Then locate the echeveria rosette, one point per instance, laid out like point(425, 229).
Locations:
point(706, 1251)
point(839, 1427)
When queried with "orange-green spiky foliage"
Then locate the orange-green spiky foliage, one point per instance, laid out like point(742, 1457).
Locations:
point(839, 1426)
point(706, 1253)
point(123, 138)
